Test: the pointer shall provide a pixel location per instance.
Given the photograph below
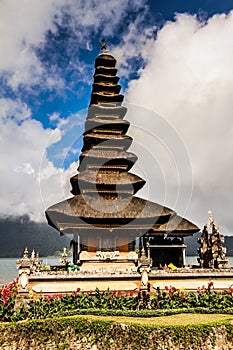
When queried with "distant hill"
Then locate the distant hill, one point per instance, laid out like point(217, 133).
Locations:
point(18, 233)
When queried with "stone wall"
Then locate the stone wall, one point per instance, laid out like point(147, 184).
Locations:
point(82, 334)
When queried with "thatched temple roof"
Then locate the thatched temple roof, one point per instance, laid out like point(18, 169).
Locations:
point(103, 211)
point(104, 189)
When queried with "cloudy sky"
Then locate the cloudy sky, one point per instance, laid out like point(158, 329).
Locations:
point(175, 63)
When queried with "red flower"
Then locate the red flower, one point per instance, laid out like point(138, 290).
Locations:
point(131, 293)
point(170, 295)
point(166, 287)
point(182, 297)
point(110, 297)
point(231, 290)
point(48, 298)
point(5, 301)
point(118, 293)
point(78, 289)
point(211, 284)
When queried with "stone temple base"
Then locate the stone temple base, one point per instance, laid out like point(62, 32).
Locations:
point(103, 269)
point(84, 286)
point(107, 276)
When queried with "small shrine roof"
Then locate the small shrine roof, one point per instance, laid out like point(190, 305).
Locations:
point(177, 224)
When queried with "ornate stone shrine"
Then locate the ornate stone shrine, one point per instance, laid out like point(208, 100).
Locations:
point(212, 254)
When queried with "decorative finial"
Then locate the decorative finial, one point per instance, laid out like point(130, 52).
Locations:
point(25, 253)
point(104, 46)
point(211, 219)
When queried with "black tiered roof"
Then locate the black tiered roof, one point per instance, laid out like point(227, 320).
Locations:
point(104, 189)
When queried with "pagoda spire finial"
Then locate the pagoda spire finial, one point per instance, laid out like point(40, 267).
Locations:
point(104, 46)
point(211, 218)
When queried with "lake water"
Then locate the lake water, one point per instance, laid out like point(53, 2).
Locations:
point(8, 270)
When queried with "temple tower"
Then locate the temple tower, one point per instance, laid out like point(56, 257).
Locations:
point(104, 214)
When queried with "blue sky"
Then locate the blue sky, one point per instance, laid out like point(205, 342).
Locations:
point(177, 49)
point(63, 56)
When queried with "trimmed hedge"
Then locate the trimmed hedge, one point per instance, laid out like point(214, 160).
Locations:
point(76, 332)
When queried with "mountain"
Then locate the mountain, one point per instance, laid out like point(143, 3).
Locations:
point(19, 232)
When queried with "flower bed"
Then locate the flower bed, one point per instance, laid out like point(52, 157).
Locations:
point(168, 301)
point(8, 295)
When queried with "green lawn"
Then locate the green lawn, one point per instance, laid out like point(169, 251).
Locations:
point(180, 319)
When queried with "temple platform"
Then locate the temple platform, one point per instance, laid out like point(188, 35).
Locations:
point(129, 280)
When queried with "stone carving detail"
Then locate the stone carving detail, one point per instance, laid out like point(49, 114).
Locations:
point(64, 259)
point(26, 266)
point(144, 262)
point(211, 252)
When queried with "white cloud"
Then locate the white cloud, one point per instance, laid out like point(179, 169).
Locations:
point(55, 117)
point(23, 26)
point(14, 109)
point(25, 168)
point(188, 80)
point(101, 15)
point(133, 45)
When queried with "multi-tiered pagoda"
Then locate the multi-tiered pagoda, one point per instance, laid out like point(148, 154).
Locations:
point(104, 215)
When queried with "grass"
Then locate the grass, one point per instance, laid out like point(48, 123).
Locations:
point(179, 320)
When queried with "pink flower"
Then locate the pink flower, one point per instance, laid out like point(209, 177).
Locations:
point(91, 291)
point(48, 298)
point(5, 301)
